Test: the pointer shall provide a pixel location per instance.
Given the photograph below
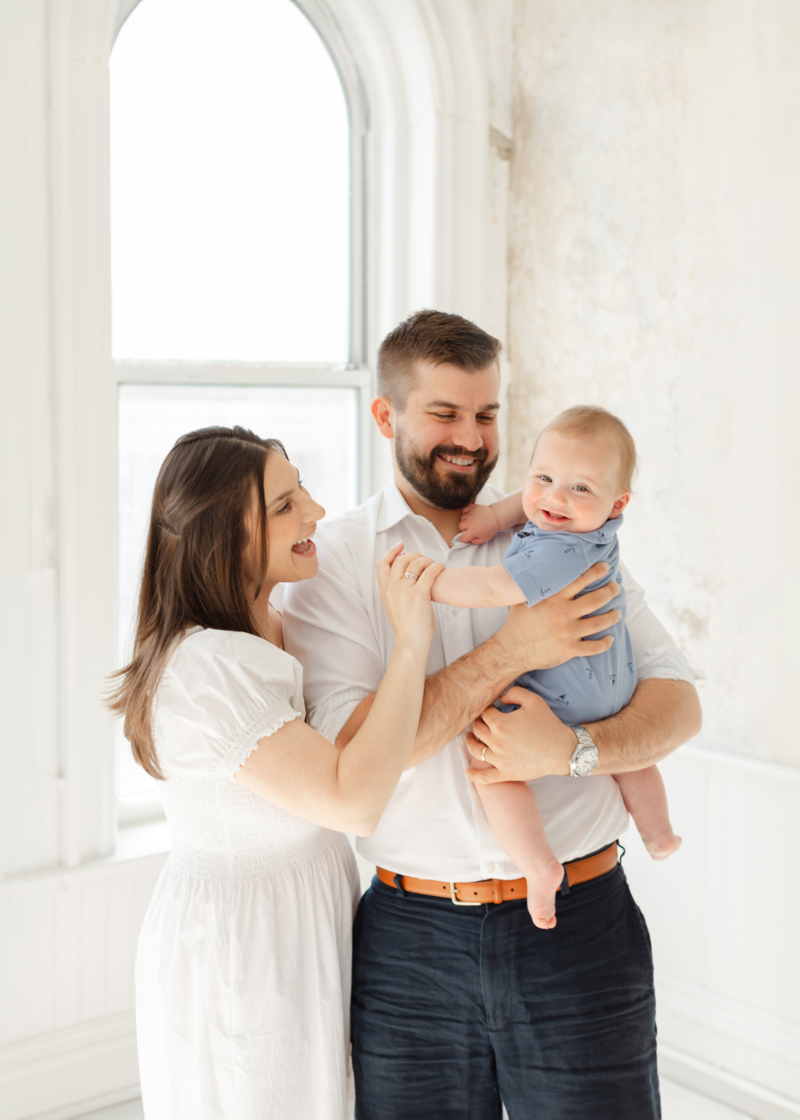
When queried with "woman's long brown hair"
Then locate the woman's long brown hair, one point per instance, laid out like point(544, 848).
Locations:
point(200, 525)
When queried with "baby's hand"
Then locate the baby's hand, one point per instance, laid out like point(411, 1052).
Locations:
point(478, 524)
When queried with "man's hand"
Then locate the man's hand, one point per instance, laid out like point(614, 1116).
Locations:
point(529, 743)
point(532, 742)
point(552, 632)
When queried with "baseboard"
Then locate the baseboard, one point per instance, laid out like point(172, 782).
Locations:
point(731, 1022)
point(753, 1100)
point(83, 1108)
point(69, 1072)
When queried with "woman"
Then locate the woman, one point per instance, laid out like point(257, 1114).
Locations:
point(243, 969)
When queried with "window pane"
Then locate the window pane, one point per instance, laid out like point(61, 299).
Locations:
point(230, 185)
point(317, 426)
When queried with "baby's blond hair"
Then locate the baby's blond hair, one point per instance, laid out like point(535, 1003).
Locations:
point(589, 419)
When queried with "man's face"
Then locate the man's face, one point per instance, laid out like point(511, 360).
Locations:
point(446, 440)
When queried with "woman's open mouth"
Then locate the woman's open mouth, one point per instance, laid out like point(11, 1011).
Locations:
point(305, 547)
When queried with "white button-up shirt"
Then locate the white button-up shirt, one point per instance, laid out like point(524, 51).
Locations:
point(434, 826)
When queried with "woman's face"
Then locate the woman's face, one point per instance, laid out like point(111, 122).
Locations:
point(292, 519)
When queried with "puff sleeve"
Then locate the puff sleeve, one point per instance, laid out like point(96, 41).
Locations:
point(220, 693)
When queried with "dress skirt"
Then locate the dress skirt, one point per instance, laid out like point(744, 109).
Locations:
point(242, 989)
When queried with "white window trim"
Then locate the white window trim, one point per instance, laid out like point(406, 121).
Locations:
point(416, 88)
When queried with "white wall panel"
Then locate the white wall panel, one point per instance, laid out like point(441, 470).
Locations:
point(28, 691)
point(723, 915)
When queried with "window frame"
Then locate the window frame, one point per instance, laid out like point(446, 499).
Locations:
point(353, 374)
point(416, 88)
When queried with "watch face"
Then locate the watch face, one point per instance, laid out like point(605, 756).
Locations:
point(586, 762)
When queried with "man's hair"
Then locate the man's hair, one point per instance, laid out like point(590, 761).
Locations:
point(590, 420)
point(431, 336)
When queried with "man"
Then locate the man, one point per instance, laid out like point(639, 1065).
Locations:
point(458, 1007)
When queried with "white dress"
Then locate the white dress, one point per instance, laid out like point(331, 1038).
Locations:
point(243, 968)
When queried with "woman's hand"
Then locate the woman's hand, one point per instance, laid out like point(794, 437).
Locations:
point(408, 601)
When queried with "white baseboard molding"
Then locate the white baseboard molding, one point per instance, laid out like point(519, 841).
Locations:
point(727, 1020)
point(737, 1092)
point(70, 1072)
point(83, 1108)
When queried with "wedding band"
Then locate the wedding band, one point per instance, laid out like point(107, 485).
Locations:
point(409, 575)
point(483, 754)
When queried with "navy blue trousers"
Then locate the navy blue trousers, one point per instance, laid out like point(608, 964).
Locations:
point(457, 1009)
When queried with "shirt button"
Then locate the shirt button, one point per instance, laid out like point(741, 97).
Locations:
point(453, 611)
point(491, 867)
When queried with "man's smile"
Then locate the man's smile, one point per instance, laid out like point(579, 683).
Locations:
point(462, 464)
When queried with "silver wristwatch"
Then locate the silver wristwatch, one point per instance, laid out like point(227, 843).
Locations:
point(585, 757)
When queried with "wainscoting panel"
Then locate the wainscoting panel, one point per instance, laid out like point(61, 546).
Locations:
point(724, 917)
point(67, 949)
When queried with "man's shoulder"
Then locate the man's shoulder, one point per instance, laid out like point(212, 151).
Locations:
point(342, 528)
point(348, 541)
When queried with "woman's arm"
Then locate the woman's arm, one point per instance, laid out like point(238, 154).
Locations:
point(348, 789)
point(476, 587)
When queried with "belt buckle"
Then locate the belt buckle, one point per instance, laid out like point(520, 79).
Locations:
point(458, 901)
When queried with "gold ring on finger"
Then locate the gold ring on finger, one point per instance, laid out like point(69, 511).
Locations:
point(410, 575)
point(483, 754)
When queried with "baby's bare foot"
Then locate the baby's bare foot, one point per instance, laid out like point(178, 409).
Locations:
point(542, 886)
point(663, 844)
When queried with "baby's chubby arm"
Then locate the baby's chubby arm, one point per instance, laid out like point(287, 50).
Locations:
point(479, 524)
point(476, 587)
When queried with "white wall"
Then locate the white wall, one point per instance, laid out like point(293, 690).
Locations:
point(655, 269)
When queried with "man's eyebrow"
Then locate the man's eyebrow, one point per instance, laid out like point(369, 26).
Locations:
point(458, 407)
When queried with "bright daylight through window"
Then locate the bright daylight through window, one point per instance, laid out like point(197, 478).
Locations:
point(230, 184)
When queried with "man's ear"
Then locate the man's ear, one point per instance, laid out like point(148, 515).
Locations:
point(384, 414)
point(619, 505)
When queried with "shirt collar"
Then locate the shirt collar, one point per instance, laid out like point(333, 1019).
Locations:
point(394, 508)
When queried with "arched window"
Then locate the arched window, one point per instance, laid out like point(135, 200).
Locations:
point(231, 253)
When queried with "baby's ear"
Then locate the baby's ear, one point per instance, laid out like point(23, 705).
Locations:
point(619, 504)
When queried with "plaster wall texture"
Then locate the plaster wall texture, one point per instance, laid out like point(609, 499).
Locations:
point(494, 21)
point(653, 269)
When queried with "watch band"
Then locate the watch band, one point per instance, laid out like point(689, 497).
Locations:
point(586, 755)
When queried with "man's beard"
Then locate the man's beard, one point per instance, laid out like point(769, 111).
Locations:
point(450, 491)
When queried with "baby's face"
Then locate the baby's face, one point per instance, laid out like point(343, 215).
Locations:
point(573, 483)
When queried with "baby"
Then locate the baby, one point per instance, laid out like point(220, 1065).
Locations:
point(578, 484)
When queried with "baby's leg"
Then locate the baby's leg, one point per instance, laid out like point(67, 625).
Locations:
point(512, 812)
point(646, 800)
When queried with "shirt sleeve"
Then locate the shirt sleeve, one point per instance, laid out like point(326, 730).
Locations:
point(654, 650)
point(221, 692)
point(329, 629)
point(540, 572)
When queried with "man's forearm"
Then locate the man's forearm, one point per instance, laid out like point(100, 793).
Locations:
point(549, 633)
point(661, 715)
point(456, 695)
point(453, 698)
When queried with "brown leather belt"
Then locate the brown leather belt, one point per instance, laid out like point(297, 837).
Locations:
point(502, 890)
